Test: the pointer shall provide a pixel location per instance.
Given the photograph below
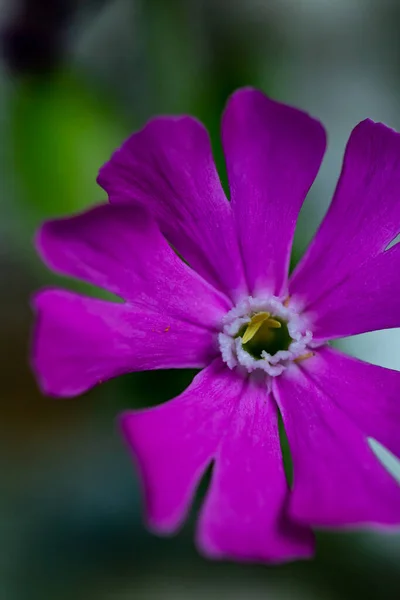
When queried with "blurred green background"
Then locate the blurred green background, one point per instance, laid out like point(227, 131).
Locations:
point(76, 77)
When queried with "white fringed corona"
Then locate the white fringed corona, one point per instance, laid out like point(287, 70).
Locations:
point(231, 340)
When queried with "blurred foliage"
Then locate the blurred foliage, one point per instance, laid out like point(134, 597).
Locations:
point(62, 132)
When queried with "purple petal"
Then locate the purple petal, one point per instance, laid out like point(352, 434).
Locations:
point(368, 394)
point(366, 300)
point(273, 153)
point(244, 516)
point(79, 342)
point(168, 168)
point(337, 479)
point(347, 282)
point(174, 443)
point(216, 419)
point(120, 249)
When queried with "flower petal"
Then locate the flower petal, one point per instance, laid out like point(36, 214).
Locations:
point(273, 153)
point(174, 443)
point(168, 168)
point(244, 516)
point(79, 342)
point(337, 479)
point(367, 300)
point(120, 249)
point(368, 394)
point(346, 269)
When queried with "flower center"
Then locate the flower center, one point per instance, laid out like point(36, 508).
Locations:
point(263, 334)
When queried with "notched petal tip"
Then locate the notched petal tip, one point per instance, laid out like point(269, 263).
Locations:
point(302, 549)
point(39, 302)
point(166, 526)
point(38, 297)
point(52, 233)
point(373, 141)
point(148, 134)
point(173, 444)
point(245, 98)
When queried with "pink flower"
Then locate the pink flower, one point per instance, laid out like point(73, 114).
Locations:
point(260, 338)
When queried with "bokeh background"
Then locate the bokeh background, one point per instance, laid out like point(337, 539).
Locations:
point(76, 77)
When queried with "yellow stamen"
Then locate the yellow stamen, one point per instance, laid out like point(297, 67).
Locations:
point(304, 356)
point(273, 323)
point(254, 325)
